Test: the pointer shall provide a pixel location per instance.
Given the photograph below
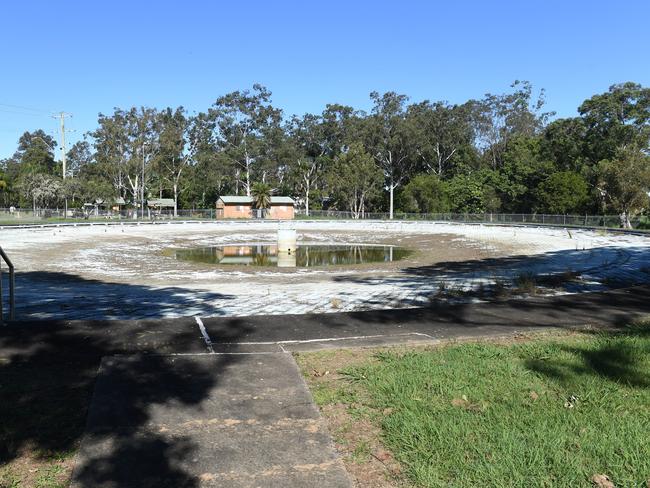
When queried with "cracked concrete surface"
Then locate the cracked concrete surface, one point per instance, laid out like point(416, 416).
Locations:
point(121, 271)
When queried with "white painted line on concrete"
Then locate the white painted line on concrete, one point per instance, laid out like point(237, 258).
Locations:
point(253, 353)
point(328, 339)
point(204, 333)
point(174, 354)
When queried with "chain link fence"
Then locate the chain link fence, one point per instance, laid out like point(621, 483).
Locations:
point(42, 215)
point(605, 221)
point(27, 216)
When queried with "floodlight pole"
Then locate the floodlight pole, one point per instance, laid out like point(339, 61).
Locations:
point(142, 185)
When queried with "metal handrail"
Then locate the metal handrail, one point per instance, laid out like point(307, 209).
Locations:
point(12, 286)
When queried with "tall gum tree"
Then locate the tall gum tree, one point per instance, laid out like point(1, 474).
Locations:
point(619, 117)
point(181, 137)
point(125, 143)
point(497, 119)
point(356, 179)
point(439, 133)
point(388, 137)
point(309, 153)
point(246, 123)
point(625, 182)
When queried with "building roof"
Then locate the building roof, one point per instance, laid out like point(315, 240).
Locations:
point(160, 202)
point(249, 200)
point(235, 199)
point(287, 200)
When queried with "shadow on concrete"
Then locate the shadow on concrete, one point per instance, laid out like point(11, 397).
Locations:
point(447, 321)
point(54, 295)
point(630, 262)
point(47, 376)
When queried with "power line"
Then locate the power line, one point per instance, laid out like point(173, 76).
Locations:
point(22, 107)
point(16, 112)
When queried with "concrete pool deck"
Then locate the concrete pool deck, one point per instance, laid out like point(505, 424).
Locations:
point(120, 271)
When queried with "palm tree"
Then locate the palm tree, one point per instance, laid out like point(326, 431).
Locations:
point(261, 197)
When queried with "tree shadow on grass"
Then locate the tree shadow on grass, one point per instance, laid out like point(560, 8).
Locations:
point(48, 372)
point(616, 356)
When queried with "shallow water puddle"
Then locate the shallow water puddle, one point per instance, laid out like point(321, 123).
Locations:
point(304, 256)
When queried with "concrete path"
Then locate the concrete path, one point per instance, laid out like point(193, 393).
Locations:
point(304, 332)
point(236, 420)
point(196, 402)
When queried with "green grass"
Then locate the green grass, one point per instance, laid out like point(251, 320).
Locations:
point(551, 412)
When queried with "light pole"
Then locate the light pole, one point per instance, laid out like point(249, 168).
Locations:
point(144, 144)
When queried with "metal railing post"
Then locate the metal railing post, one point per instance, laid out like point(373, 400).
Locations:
point(12, 286)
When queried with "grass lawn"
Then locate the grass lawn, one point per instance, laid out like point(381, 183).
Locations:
point(551, 411)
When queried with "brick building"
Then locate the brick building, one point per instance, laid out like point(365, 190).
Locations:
point(235, 207)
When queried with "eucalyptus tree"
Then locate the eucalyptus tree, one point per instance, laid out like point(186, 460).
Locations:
point(425, 193)
point(356, 178)
point(388, 139)
point(3, 186)
point(35, 153)
point(308, 153)
point(563, 142)
point(441, 135)
point(144, 135)
point(340, 126)
point(112, 147)
point(562, 192)
point(625, 181)
point(207, 179)
point(619, 117)
point(181, 138)
point(79, 156)
point(499, 118)
point(125, 144)
point(246, 127)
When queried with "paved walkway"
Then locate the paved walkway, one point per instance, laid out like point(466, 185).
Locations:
point(218, 402)
point(208, 420)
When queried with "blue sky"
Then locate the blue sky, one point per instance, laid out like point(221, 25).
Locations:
point(88, 57)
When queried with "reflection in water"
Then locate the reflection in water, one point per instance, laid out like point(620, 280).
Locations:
point(304, 256)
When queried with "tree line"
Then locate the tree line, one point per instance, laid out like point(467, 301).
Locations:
point(501, 153)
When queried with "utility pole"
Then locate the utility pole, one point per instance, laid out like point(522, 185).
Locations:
point(61, 116)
